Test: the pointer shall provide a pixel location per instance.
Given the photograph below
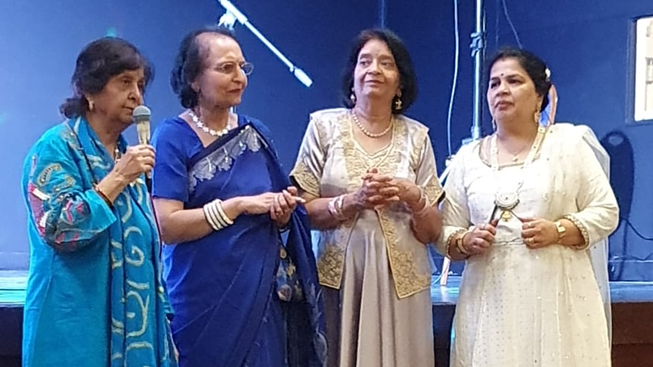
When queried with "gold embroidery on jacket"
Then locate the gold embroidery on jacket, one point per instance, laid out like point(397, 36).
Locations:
point(407, 278)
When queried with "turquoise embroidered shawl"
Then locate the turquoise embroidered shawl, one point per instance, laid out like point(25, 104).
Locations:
point(94, 294)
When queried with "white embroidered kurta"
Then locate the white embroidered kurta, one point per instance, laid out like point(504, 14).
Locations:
point(523, 307)
point(376, 274)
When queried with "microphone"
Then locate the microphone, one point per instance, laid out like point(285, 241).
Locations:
point(142, 116)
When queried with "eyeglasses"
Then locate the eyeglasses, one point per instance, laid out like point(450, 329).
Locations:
point(230, 67)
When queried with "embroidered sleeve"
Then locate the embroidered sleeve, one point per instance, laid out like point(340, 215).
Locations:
point(598, 213)
point(427, 174)
point(428, 228)
point(310, 160)
point(455, 211)
point(66, 215)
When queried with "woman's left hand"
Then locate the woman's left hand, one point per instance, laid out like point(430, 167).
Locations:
point(284, 204)
point(538, 233)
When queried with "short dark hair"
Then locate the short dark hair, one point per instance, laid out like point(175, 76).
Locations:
point(98, 62)
point(407, 77)
point(534, 67)
point(190, 62)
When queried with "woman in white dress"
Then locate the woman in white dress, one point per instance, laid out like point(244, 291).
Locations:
point(523, 206)
point(368, 175)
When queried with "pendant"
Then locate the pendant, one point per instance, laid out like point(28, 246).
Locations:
point(506, 202)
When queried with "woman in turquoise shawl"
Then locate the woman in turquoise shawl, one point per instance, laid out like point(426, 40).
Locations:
point(231, 224)
point(94, 294)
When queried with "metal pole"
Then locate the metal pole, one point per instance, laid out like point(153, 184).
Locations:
point(478, 52)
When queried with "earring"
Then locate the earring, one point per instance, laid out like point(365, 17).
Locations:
point(537, 117)
point(398, 104)
point(352, 98)
point(494, 124)
point(91, 105)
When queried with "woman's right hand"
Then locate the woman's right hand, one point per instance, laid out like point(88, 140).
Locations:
point(134, 162)
point(480, 239)
point(257, 204)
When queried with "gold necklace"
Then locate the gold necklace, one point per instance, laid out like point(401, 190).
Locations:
point(366, 132)
point(515, 156)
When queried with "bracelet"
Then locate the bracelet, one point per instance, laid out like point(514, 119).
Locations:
point(215, 215)
point(335, 207)
point(425, 199)
point(211, 217)
point(459, 244)
point(223, 215)
point(451, 239)
point(103, 196)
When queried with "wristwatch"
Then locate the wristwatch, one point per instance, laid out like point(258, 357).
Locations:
point(561, 229)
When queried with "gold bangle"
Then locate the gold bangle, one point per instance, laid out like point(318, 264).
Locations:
point(459, 244)
point(450, 241)
point(103, 196)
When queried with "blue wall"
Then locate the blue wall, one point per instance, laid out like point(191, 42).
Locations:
point(586, 45)
point(40, 40)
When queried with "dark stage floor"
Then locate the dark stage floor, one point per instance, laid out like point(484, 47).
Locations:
point(632, 307)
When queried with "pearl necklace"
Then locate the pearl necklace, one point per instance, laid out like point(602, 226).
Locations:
point(366, 132)
point(200, 125)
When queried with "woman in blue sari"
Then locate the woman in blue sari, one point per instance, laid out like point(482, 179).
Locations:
point(94, 293)
point(223, 203)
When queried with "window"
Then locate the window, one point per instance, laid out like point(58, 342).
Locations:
point(644, 69)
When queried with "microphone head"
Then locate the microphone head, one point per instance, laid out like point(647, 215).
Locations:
point(141, 114)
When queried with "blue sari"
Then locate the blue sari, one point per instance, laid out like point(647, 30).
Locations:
point(222, 286)
point(94, 292)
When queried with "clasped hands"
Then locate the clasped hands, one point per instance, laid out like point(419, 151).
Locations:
point(283, 204)
point(379, 191)
point(536, 233)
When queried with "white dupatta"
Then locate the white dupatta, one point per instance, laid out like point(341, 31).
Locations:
point(599, 251)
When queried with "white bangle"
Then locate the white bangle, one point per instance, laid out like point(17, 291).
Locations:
point(211, 216)
point(335, 207)
point(422, 198)
point(215, 215)
point(223, 215)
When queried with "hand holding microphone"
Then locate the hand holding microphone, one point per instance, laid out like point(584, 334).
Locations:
point(138, 159)
point(135, 161)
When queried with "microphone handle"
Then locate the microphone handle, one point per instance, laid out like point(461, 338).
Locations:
point(143, 138)
point(148, 181)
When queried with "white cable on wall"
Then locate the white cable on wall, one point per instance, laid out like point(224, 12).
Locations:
point(454, 83)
